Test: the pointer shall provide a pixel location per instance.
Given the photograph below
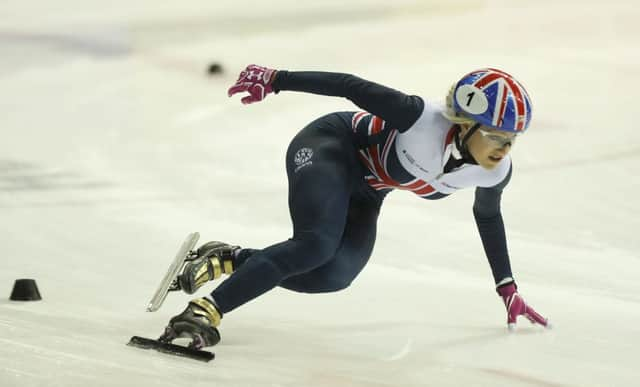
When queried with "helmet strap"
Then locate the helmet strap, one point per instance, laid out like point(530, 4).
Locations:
point(462, 144)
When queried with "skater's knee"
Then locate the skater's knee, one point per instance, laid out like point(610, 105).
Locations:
point(336, 284)
point(318, 247)
point(311, 250)
point(314, 284)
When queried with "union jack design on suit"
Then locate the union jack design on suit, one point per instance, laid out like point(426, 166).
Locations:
point(376, 159)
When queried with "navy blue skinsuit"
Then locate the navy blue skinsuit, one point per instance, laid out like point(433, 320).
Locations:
point(333, 210)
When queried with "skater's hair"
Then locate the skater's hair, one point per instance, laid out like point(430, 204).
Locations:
point(453, 116)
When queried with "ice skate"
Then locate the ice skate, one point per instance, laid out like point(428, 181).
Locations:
point(210, 261)
point(197, 322)
point(169, 281)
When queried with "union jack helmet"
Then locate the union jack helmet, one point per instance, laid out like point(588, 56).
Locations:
point(493, 98)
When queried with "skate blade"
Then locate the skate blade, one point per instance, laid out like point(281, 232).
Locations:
point(172, 349)
point(176, 265)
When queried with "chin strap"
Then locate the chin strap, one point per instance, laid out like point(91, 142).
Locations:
point(462, 144)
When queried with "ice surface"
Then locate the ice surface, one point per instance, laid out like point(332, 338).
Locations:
point(115, 144)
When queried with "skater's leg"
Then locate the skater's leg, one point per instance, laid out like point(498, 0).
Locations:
point(320, 183)
point(353, 254)
point(242, 256)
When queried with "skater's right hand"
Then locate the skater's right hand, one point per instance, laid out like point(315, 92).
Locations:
point(256, 80)
point(516, 306)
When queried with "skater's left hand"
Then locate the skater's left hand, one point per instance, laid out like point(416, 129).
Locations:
point(516, 306)
point(256, 80)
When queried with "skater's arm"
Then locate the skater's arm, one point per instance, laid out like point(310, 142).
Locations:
point(393, 106)
point(486, 210)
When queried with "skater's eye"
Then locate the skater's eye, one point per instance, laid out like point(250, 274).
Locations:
point(497, 139)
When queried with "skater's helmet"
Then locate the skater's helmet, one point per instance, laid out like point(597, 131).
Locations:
point(492, 98)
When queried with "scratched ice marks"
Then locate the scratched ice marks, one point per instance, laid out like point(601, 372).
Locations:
point(22, 176)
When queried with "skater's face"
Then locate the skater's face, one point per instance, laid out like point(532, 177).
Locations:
point(488, 146)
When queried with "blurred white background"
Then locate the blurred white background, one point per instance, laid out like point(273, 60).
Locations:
point(115, 143)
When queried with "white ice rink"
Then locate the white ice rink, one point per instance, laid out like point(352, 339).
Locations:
point(115, 144)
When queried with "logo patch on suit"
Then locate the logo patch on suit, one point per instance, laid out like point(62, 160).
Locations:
point(302, 158)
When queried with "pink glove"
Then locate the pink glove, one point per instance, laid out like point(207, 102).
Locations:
point(516, 306)
point(256, 80)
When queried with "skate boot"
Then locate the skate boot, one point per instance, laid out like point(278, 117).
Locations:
point(198, 322)
point(211, 261)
